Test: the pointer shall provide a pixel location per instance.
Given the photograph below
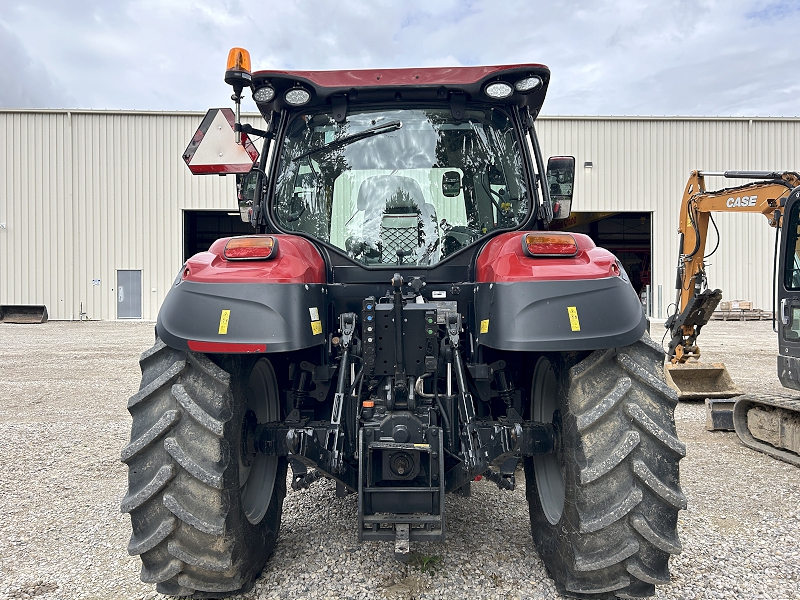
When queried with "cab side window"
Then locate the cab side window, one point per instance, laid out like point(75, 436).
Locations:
point(791, 276)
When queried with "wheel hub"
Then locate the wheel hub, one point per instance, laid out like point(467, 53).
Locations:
point(249, 438)
point(548, 468)
point(257, 471)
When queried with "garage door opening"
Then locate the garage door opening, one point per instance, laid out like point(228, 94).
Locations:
point(629, 236)
point(201, 228)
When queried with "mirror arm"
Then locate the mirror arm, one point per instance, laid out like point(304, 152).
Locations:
point(250, 130)
point(545, 208)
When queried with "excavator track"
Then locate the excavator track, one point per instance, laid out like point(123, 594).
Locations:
point(769, 424)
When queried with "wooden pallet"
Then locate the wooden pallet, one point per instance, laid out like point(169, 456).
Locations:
point(742, 315)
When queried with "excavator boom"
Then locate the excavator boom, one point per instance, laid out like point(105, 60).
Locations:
point(694, 300)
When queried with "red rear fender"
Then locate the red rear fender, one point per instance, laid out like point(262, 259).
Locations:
point(297, 261)
point(503, 260)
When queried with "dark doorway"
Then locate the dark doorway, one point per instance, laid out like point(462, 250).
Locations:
point(627, 235)
point(201, 228)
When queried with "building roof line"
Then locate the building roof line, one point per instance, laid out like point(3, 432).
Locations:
point(198, 113)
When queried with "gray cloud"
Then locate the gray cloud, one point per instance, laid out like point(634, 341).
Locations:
point(667, 57)
point(25, 82)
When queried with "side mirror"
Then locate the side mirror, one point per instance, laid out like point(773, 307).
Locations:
point(560, 180)
point(246, 193)
point(451, 184)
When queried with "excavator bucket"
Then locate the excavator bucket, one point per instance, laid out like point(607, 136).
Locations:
point(23, 313)
point(706, 381)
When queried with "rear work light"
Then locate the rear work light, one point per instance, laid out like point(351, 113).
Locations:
point(547, 244)
point(264, 94)
point(297, 96)
point(253, 247)
point(498, 90)
point(527, 84)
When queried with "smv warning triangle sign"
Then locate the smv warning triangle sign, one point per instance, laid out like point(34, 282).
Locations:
point(213, 149)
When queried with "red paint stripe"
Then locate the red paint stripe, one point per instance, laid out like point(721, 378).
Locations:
point(226, 347)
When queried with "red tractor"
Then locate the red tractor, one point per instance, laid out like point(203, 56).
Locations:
point(402, 321)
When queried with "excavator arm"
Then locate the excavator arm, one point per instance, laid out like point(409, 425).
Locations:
point(694, 300)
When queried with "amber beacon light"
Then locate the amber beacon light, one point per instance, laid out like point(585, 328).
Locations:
point(237, 71)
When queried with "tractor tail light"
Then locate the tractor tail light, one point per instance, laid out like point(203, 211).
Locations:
point(253, 247)
point(548, 244)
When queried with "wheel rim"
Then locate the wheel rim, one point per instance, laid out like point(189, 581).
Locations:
point(257, 471)
point(547, 468)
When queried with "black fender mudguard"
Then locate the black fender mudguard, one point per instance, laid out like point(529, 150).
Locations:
point(242, 317)
point(558, 316)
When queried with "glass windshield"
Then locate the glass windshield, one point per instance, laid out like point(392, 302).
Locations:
point(407, 187)
point(791, 275)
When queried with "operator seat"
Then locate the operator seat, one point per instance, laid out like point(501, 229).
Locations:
point(395, 209)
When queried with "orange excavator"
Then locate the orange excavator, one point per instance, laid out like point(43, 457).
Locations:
point(770, 424)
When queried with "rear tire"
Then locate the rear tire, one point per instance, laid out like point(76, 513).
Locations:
point(604, 508)
point(205, 507)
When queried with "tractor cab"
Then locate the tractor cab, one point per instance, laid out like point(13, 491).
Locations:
point(402, 167)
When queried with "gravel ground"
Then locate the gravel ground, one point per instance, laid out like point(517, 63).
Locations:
point(63, 421)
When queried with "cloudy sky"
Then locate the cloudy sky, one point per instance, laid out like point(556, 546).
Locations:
point(608, 57)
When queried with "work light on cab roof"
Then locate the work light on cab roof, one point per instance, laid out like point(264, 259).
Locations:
point(527, 84)
point(297, 96)
point(264, 95)
point(498, 89)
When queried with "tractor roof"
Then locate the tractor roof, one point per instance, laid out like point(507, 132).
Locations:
point(416, 84)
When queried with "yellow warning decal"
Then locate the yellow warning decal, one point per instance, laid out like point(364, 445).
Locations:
point(316, 327)
point(573, 318)
point(223, 321)
point(485, 326)
point(422, 445)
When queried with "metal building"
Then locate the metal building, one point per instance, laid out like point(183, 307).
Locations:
point(98, 210)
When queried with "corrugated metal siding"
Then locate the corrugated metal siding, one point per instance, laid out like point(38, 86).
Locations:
point(86, 193)
point(642, 164)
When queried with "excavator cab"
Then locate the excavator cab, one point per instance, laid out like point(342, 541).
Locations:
point(788, 290)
